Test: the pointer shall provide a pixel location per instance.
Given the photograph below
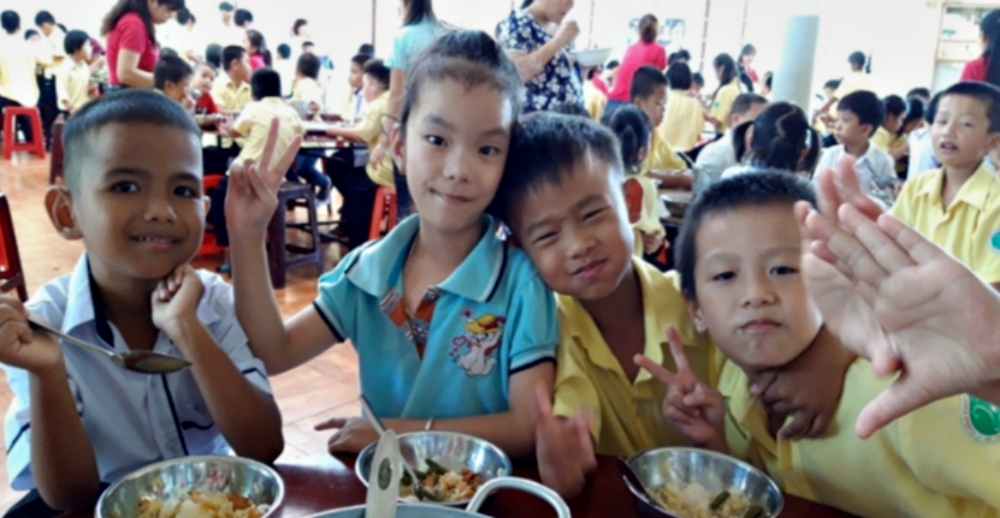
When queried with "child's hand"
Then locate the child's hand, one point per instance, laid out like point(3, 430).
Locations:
point(176, 299)
point(19, 347)
point(808, 388)
point(252, 195)
point(353, 434)
point(696, 409)
point(564, 448)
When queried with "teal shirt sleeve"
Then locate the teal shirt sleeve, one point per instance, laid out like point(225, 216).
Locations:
point(532, 324)
point(337, 301)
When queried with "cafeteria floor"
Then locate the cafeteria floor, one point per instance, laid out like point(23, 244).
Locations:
point(326, 387)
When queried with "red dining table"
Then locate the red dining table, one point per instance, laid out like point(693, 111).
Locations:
point(324, 482)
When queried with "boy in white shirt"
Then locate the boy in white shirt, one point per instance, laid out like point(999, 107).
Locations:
point(721, 154)
point(859, 115)
point(73, 75)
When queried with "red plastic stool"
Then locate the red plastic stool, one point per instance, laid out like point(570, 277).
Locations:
point(209, 246)
point(385, 211)
point(10, 145)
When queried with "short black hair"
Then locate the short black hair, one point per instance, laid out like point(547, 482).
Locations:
point(242, 17)
point(184, 16)
point(697, 79)
point(571, 108)
point(44, 17)
point(679, 75)
point(284, 51)
point(11, 21)
point(931, 112)
point(985, 93)
point(307, 44)
point(74, 41)
point(377, 70)
point(921, 92)
point(857, 59)
point(230, 54)
point(308, 65)
point(894, 106)
point(832, 84)
point(613, 64)
point(361, 59)
point(645, 81)
point(130, 106)
point(29, 33)
point(545, 149)
point(745, 190)
point(264, 83)
point(367, 48)
point(745, 102)
point(866, 105)
point(226, 6)
point(170, 68)
point(213, 55)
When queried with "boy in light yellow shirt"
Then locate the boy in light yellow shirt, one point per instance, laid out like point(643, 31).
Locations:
point(231, 91)
point(684, 121)
point(739, 260)
point(562, 198)
point(958, 206)
point(254, 121)
point(73, 74)
point(887, 137)
point(649, 94)
point(726, 94)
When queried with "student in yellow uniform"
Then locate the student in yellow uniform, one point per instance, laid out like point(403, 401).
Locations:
point(740, 257)
point(633, 130)
point(354, 107)
point(887, 137)
point(231, 91)
point(649, 94)
point(958, 206)
point(685, 118)
point(726, 93)
point(566, 210)
point(254, 121)
point(73, 74)
point(857, 80)
point(594, 99)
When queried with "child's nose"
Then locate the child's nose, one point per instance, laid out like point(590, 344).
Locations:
point(758, 292)
point(160, 209)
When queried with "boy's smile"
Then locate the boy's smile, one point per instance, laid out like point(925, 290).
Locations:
point(576, 231)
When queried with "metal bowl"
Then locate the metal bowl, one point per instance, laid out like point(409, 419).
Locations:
point(171, 479)
point(451, 450)
point(715, 471)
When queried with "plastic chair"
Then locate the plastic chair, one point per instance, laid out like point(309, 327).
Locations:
point(282, 256)
point(10, 144)
point(384, 212)
point(11, 272)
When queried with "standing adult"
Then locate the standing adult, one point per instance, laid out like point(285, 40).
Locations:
point(48, 107)
point(984, 68)
point(420, 28)
point(540, 44)
point(748, 76)
point(225, 33)
point(300, 35)
point(132, 51)
point(645, 52)
point(18, 59)
point(187, 43)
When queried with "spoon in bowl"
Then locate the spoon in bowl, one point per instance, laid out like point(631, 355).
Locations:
point(418, 488)
point(145, 362)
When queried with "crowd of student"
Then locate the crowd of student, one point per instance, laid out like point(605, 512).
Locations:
point(517, 304)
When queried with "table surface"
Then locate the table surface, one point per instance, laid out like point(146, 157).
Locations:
point(323, 482)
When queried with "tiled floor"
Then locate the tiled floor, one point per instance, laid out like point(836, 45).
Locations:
point(325, 387)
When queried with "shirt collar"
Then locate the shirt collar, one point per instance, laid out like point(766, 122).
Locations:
point(973, 193)
point(378, 267)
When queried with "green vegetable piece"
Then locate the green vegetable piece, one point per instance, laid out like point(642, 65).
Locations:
point(435, 468)
point(719, 500)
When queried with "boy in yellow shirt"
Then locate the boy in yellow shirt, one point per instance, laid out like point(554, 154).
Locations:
point(685, 117)
point(231, 91)
point(739, 256)
point(566, 209)
point(254, 121)
point(887, 137)
point(649, 94)
point(73, 74)
point(958, 206)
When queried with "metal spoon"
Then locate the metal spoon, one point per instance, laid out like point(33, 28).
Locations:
point(145, 362)
point(383, 483)
point(418, 489)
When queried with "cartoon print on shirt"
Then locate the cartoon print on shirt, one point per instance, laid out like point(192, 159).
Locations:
point(474, 349)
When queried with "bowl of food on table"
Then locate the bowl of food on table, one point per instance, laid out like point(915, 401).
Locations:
point(695, 483)
point(195, 487)
point(451, 467)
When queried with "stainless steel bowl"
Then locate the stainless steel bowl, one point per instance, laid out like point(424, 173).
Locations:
point(715, 471)
point(171, 479)
point(451, 450)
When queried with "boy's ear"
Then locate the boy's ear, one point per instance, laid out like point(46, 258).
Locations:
point(208, 203)
point(696, 315)
point(992, 142)
point(398, 143)
point(59, 206)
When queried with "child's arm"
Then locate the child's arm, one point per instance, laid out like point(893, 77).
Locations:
point(63, 463)
point(513, 431)
point(900, 151)
point(62, 91)
point(245, 415)
point(564, 448)
point(696, 409)
point(347, 133)
point(250, 203)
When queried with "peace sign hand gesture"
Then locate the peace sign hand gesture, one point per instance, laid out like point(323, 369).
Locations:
point(252, 197)
point(696, 409)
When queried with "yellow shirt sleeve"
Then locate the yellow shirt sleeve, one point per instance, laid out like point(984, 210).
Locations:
point(723, 105)
point(985, 245)
point(370, 128)
point(883, 140)
point(62, 88)
point(244, 123)
point(661, 156)
point(574, 390)
point(903, 208)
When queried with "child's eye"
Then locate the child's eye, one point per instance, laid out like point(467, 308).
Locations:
point(435, 140)
point(125, 187)
point(724, 276)
point(592, 214)
point(544, 238)
point(186, 192)
point(489, 151)
point(783, 270)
